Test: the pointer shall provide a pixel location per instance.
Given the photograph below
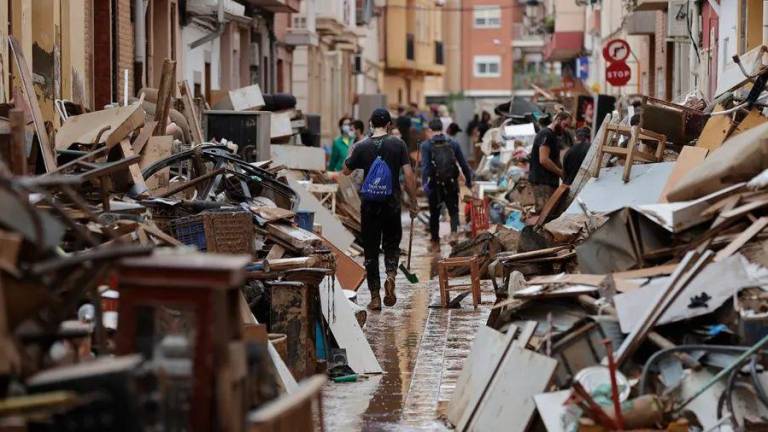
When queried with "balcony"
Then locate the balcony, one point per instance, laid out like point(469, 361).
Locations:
point(564, 46)
point(523, 37)
point(523, 80)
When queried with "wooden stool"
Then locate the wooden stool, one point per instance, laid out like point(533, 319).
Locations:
point(444, 265)
point(632, 152)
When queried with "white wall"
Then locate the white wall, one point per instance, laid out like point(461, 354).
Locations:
point(194, 59)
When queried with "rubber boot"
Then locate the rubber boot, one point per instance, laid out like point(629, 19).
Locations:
point(375, 303)
point(390, 298)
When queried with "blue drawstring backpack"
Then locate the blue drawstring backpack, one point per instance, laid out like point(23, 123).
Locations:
point(378, 183)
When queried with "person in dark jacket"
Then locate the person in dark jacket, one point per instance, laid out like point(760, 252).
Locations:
point(576, 154)
point(440, 177)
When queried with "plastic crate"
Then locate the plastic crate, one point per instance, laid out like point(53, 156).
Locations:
point(219, 232)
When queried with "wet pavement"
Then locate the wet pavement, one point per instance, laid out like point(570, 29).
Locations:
point(421, 350)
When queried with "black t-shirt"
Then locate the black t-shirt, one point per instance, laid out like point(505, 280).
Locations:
point(538, 174)
point(391, 149)
point(573, 159)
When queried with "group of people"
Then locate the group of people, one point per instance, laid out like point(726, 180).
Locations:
point(547, 168)
point(384, 157)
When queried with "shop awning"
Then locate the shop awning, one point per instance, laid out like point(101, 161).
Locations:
point(564, 46)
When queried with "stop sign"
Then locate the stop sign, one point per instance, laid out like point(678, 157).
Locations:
point(618, 74)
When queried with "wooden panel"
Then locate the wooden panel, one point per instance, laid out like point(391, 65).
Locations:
point(508, 403)
point(488, 349)
point(289, 314)
point(158, 148)
point(347, 332)
point(715, 131)
point(73, 56)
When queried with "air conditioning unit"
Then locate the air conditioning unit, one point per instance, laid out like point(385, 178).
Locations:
point(677, 19)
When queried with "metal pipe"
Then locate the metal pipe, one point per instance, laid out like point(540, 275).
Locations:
point(139, 31)
point(214, 34)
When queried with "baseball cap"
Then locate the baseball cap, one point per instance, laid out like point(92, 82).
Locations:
point(380, 117)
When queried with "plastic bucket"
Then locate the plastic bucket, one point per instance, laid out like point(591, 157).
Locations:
point(305, 219)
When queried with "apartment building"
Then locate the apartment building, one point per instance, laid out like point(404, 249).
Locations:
point(411, 48)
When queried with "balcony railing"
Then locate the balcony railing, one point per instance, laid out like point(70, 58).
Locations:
point(439, 54)
point(410, 46)
point(523, 80)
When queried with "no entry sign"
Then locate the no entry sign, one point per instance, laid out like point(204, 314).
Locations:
point(618, 74)
point(616, 50)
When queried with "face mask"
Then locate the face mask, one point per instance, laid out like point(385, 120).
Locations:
point(345, 129)
point(351, 133)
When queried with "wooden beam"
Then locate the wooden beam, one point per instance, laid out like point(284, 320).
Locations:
point(190, 113)
point(164, 95)
point(25, 75)
point(138, 179)
point(18, 159)
point(742, 239)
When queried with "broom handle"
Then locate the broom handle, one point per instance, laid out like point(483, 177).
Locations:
point(410, 245)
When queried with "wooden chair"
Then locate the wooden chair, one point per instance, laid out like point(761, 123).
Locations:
point(479, 215)
point(632, 151)
point(443, 267)
point(301, 410)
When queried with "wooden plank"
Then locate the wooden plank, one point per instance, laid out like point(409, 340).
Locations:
point(164, 96)
point(689, 158)
point(349, 272)
point(346, 330)
point(138, 179)
point(190, 113)
point(158, 148)
point(715, 131)
point(647, 272)
point(25, 75)
point(90, 127)
point(144, 136)
point(552, 203)
point(275, 252)
point(487, 351)
point(18, 159)
point(689, 267)
point(508, 403)
point(552, 407)
point(737, 243)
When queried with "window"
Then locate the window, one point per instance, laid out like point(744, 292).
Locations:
point(410, 47)
point(487, 16)
point(439, 55)
point(487, 66)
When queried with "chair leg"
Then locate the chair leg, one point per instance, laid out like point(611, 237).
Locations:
point(443, 277)
point(475, 275)
point(630, 154)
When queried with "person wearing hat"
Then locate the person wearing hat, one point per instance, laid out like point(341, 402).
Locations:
point(576, 154)
point(440, 177)
point(380, 218)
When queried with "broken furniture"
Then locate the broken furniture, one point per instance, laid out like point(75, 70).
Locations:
point(229, 232)
point(186, 306)
point(635, 137)
point(680, 124)
point(326, 193)
point(300, 410)
point(478, 214)
point(443, 267)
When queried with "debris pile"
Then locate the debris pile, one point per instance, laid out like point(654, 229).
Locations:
point(156, 274)
point(636, 299)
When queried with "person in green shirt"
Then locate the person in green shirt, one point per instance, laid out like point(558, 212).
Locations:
point(341, 144)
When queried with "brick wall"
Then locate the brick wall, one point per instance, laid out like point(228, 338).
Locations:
point(102, 70)
point(124, 46)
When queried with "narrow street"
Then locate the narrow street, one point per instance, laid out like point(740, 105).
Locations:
point(421, 350)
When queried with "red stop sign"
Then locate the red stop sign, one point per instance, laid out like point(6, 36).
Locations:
point(618, 74)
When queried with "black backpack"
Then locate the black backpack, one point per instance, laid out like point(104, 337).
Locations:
point(444, 169)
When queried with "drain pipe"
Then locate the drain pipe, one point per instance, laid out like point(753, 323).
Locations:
point(216, 33)
point(140, 40)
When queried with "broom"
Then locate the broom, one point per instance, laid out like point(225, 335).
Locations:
point(412, 278)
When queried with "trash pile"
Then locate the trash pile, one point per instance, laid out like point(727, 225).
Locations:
point(638, 298)
point(154, 277)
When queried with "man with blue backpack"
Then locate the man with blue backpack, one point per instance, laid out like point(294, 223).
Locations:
point(441, 158)
point(382, 157)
